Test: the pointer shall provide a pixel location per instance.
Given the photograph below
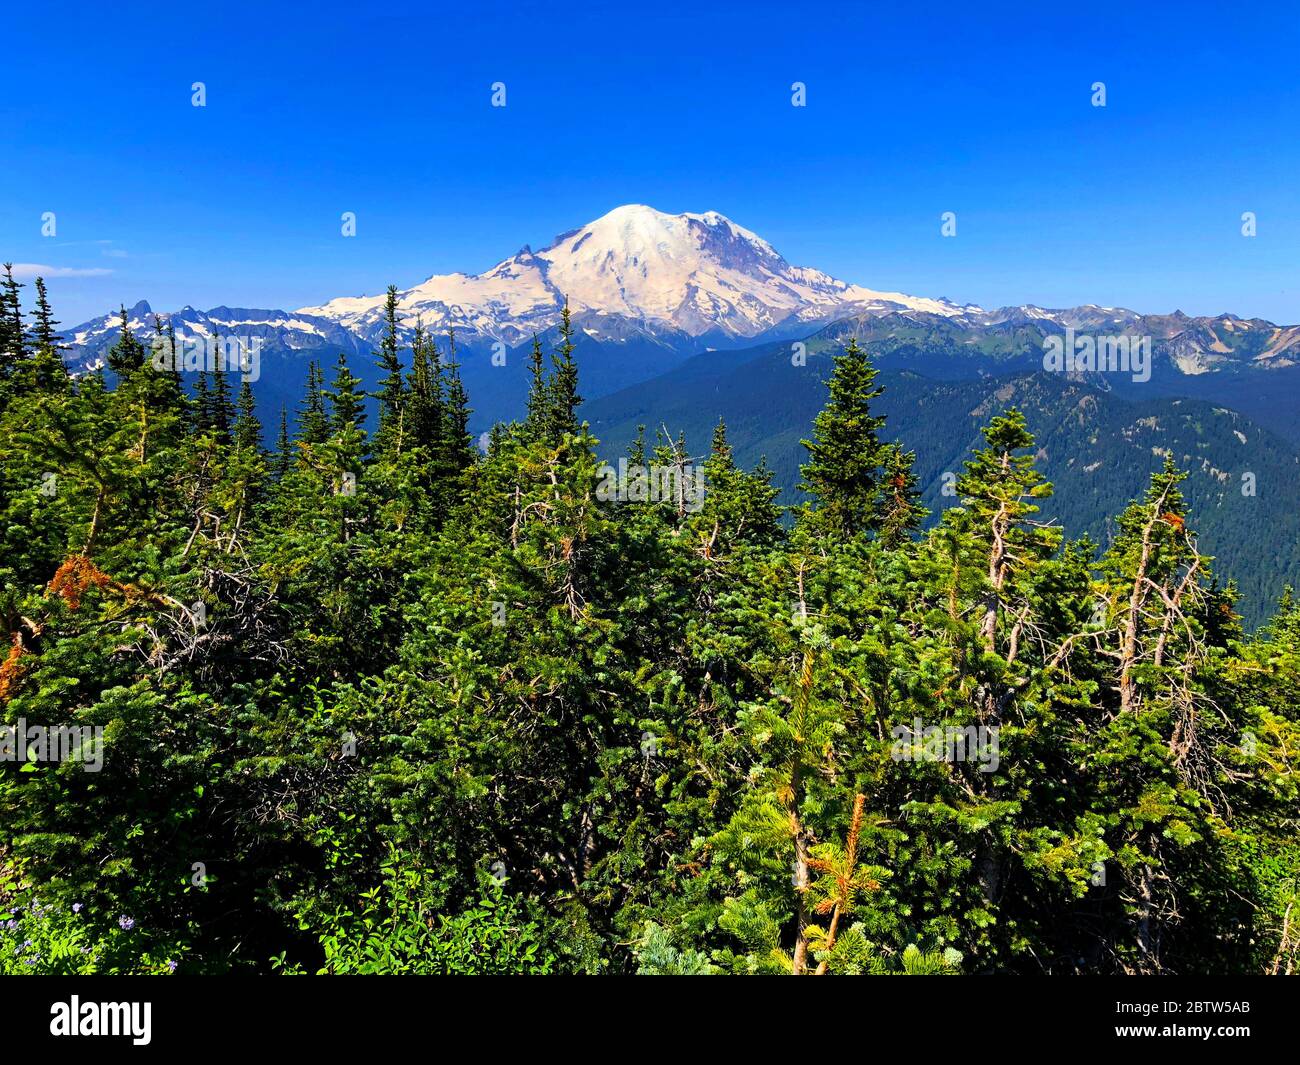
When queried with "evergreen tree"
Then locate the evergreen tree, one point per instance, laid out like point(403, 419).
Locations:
point(425, 392)
point(45, 333)
point(538, 396)
point(127, 353)
point(202, 407)
point(901, 513)
point(998, 490)
point(458, 449)
point(347, 401)
point(562, 399)
point(313, 421)
point(391, 394)
point(13, 338)
point(738, 507)
point(847, 462)
point(221, 416)
point(247, 429)
point(283, 447)
point(48, 371)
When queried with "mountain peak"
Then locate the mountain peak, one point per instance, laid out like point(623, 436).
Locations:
point(692, 274)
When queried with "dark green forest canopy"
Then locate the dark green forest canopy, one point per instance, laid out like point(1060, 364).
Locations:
point(379, 701)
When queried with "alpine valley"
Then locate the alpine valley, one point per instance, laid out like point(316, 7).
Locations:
point(682, 319)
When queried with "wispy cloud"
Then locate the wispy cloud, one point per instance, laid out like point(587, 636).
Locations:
point(27, 271)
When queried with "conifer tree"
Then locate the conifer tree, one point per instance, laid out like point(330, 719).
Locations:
point(347, 402)
point(283, 447)
point(247, 429)
point(222, 416)
point(313, 422)
point(901, 513)
point(202, 407)
point(48, 370)
point(13, 339)
point(127, 353)
point(562, 399)
point(391, 394)
point(998, 490)
point(537, 391)
point(738, 507)
point(458, 450)
point(425, 394)
point(847, 461)
point(45, 332)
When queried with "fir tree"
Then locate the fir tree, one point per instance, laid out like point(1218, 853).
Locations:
point(998, 490)
point(221, 417)
point(901, 514)
point(247, 429)
point(47, 363)
point(847, 461)
point(13, 339)
point(45, 332)
point(283, 446)
point(538, 397)
point(425, 394)
point(313, 420)
point(562, 399)
point(458, 450)
point(347, 401)
point(391, 394)
point(127, 355)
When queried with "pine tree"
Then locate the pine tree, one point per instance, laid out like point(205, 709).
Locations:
point(127, 355)
point(847, 461)
point(738, 507)
point(538, 397)
point(458, 449)
point(222, 413)
point(998, 490)
point(47, 363)
point(391, 394)
point(45, 333)
point(247, 429)
point(283, 447)
point(313, 422)
point(347, 402)
point(13, 339)
point(901, 514)
point(562, 399)
point(425, 394)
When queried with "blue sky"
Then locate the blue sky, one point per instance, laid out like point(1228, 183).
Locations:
point(313, 110)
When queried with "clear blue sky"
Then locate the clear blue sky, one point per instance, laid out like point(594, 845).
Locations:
point(913, 110)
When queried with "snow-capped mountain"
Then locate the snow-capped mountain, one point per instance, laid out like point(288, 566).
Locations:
point(279, 331)
point(635, 268)
point(648, 289)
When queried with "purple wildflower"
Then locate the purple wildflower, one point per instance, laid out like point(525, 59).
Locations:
point(76, 907)
point(125, 923)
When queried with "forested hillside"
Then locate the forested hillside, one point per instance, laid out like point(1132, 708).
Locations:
point(1099, 447)
point(375, 702)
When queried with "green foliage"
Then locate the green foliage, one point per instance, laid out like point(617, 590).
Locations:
point(395, 929)
point(389, 705)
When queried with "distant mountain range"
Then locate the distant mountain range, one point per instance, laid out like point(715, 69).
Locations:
point(684, 317)
point(649, 289)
